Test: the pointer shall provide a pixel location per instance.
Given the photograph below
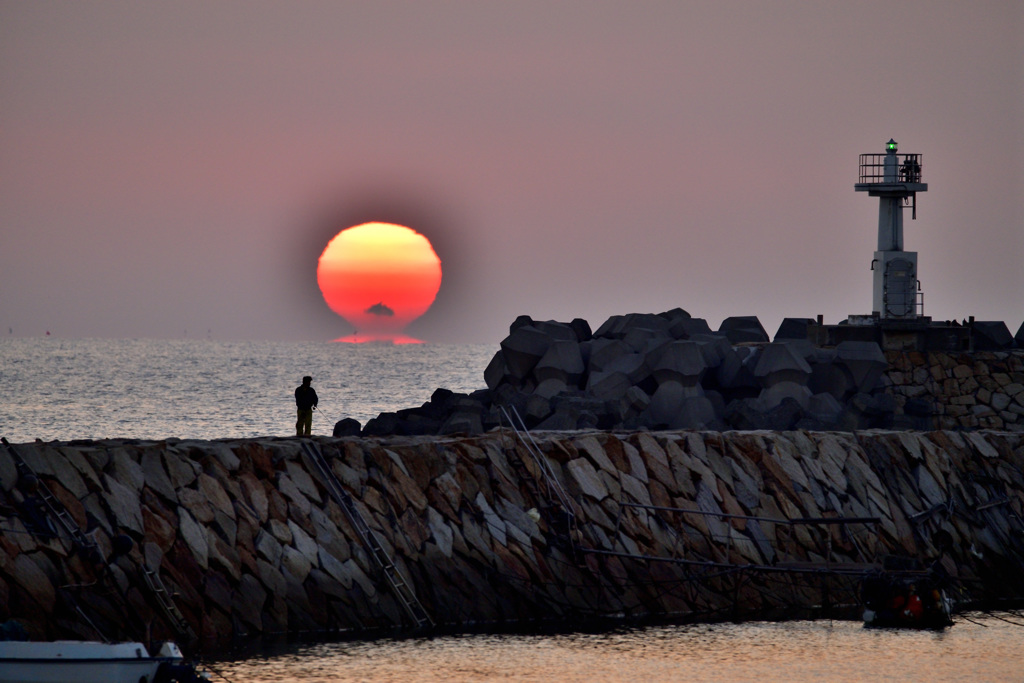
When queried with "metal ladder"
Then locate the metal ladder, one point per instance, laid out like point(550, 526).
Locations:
point(556, 492)
point(399, 586)
point(164, 599)
point(86, 544)
point(53, 506)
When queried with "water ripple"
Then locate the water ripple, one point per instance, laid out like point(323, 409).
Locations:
point(58, 389)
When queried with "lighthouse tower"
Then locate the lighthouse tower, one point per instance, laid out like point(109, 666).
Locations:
point(895, 179)
point(897, 321)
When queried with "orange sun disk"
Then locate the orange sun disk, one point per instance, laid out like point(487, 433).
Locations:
point(379, 277)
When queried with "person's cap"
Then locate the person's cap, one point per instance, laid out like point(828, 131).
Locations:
point(307, 378)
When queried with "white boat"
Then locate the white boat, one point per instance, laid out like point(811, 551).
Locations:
point(64, 661)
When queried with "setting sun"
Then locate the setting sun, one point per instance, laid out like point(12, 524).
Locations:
point(379, 277)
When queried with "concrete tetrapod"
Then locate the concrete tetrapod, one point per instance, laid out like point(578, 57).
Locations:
point(685, 328)
point(617, 326)
point(679, 361)
point(675, 406)
point(523, 348)
point(990, 335)
point(601, 353)
point(793, 328)
point(556, 330)
point(562, 361)
point(864, 361)
point(780, 362)
point(633, 365)
point(743, 329)
point(609, 385)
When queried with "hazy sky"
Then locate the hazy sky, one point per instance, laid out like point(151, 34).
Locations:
point(176, 168)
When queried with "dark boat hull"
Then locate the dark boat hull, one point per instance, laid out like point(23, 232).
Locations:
point(915, 600)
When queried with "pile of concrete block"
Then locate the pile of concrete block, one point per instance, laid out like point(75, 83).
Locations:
point(671, 371)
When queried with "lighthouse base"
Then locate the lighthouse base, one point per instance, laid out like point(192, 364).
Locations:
point(917, 334)
point(896, 288)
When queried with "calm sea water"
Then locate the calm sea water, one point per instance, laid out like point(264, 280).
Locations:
point(55, 389)
point(62, 389)
point(984, 649)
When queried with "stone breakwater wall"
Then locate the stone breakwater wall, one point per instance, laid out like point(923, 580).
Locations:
point(246, 539)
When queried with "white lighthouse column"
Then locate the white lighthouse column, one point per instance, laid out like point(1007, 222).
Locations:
point(890, 224)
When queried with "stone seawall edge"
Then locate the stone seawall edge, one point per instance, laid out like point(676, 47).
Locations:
point(248, 538)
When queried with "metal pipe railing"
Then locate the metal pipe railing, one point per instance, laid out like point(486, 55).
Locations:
point(883, 168)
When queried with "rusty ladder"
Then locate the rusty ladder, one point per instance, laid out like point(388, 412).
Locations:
point(398, 584)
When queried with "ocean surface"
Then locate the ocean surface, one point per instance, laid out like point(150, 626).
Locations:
point(983, 648)
point(63, 389)
point(58, 389)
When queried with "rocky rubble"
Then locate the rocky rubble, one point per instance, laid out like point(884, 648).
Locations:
point(249, 542)
point(671, 371)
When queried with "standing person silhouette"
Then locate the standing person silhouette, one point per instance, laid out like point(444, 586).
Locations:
point(305, 401)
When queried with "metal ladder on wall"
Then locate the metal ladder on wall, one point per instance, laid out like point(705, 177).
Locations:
point(556, 492)
point(89, 547)
point(53, 506)
point(398, 584)
point(166, 602)
point(56, 510)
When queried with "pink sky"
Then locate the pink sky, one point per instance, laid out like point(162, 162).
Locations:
point(179, 167)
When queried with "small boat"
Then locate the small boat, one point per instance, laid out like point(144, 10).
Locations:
point(912, 599)
point(92, 662)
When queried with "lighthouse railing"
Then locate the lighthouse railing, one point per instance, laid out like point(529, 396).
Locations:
point(890, 168)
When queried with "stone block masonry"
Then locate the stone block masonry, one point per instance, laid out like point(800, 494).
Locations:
point(248, 540)
point(980, 390)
